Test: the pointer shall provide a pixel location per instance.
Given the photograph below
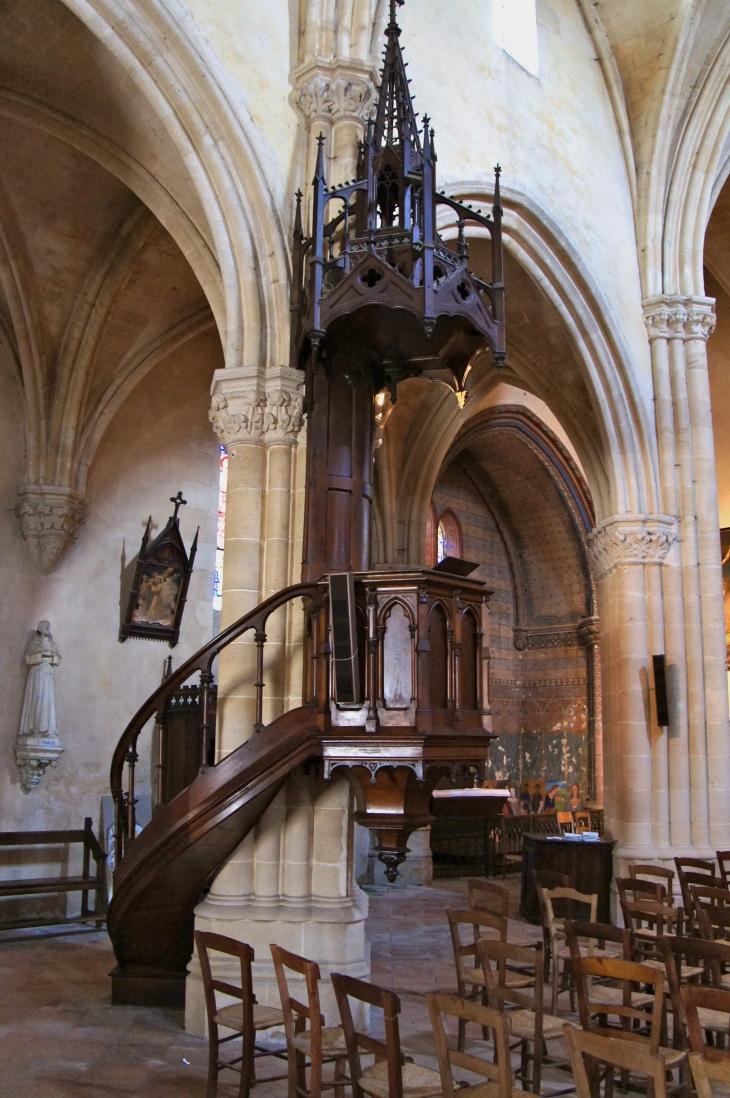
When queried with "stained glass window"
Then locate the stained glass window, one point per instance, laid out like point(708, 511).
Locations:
point(440, 543)
point(221, 530)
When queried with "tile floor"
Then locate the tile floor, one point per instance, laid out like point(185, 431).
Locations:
point(60, 1036)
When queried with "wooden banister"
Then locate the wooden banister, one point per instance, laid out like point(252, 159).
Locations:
point(125, 753)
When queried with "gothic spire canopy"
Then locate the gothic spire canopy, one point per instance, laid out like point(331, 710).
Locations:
point(375, 277)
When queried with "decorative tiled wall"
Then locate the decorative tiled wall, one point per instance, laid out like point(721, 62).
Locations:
point(539, 695)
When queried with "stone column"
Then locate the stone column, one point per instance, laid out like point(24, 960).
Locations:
point(622, 548)
point(699, 752)
point(258, 420)
point(336, 98)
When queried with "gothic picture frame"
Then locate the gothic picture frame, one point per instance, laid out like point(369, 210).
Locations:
point(160, 586)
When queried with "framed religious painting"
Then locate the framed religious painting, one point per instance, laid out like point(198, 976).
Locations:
point(725, 551)
point(160, 587)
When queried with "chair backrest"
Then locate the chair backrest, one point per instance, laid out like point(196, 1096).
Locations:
point(695, 997)
point(297, 1014)
point(628, 973)
point(704, 896)
point(693, 871)
point(582, 821)
point(723, 860)
point(565, 819)
point(596, 934)
point(653, 872)
point(656, 919)
point(566, 900)
point(487, 896)
point(481, 922)
point(496, 957)
point(500, 1072)
point(218, 943)
point(633, 888)
point(346, 988)
point(618, 1054)
point(705, 1072)
point(713, 923)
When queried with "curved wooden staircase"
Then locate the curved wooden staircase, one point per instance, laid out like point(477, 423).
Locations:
point(393, 754)
point(161, 873)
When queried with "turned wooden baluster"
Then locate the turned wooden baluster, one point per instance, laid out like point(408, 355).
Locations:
point(206, 681)
point(130, 813)
point(260, 639)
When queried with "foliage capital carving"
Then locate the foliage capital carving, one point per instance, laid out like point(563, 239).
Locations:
point(49, 517)
point(245, 409)
point(330, 92)
point(630, 539)
point(673, 317)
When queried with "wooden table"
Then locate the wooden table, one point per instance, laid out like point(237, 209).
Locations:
point(588, 864)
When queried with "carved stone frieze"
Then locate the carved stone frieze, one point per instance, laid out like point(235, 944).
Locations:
point(528, 639)
point(674, 317)
point(334, 92)
point(49, 518)
point(244, 412)
point(630, 539)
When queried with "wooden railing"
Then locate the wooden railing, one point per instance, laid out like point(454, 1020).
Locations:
point(125, 755)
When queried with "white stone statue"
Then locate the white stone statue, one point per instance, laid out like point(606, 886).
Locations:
point(38, 745)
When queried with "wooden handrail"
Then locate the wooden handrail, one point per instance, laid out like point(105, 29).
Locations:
point(202, 660)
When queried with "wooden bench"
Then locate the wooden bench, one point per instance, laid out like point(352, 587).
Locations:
point(87, 882)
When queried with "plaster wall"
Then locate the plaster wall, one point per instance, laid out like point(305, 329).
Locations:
point(159, 441)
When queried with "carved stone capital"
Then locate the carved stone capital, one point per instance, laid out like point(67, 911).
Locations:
point(673, 317)
point(49, 518)
point(589, 631)
point(331, 91)
point(630, 539)
point(246, 407)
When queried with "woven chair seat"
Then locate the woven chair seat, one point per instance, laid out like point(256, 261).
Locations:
point(484, 1090)
point(475, 976)
point(716, 1020)
point(688, 971)
point(333, 1042)
point(522, 1024)
point(614, 996)
point(418, 1082)
point(264, 1017)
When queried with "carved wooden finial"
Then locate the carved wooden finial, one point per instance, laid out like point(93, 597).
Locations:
point(179, 502)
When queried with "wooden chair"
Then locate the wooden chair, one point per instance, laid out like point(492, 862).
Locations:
point(567, 899)
point(626, 1056)
point(547, 878)
point(713, 924)
point(487, 896)
point(709, 896)
point(723, 861)
point(246, 1018)
point(524, 1007)
point(581, 821)
point(565, 821)
point(647, 919)
point(631, 1015)
point(602, 940)
point(691, 871)
point(323, 1045)
point(470, 980)
point(499, 1073)
point(695, 999)
point(705, 1072)
point(390, 1076)
point(655, 874)
point(687, 961)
